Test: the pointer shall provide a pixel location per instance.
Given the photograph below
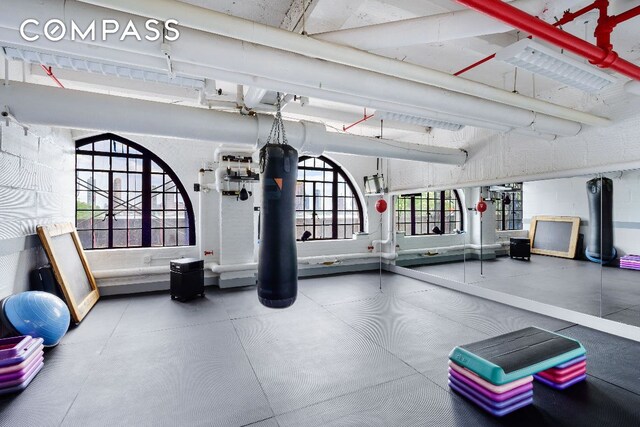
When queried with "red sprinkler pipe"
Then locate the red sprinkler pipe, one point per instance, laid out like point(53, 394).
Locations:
point(49, 72)
point(363, 119)
point(566, 18)
point(513, 16)
point(625, 16)
point(475, 64)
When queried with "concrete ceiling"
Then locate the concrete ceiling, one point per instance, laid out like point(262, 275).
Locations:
point(331, 15)
point(270, 12)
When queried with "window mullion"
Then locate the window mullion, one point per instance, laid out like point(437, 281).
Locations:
point(442, 205)
point(313, 211)
point(110, 212)
point(146, 202)
point(413, 216)
point(334, 206)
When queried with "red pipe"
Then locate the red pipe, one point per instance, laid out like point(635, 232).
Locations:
point(49, 72)
point(566, 18)
point(363, 119)
point(537, 28)
point(475, 64)
point(625, 16)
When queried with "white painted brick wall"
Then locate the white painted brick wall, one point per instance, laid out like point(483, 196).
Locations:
point(494, 156)
point(37, 186)
point(237, 234)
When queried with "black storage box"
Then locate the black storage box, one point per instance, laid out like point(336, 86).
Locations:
point(187, 278)
point(520, 247)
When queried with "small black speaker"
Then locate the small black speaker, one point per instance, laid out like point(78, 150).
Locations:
point(187, 278)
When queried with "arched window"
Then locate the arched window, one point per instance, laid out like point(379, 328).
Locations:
point(435, 212)
point(327, 205)
point(509, 215)
point(127, 197)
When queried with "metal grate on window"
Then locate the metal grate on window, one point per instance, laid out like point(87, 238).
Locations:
point(126, 197)
point(327, 206)
point(435, 212)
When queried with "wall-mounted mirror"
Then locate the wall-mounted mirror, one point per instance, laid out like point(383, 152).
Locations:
point(619, 245)
point(430, 232)
point(568, 242)
point(541, 229)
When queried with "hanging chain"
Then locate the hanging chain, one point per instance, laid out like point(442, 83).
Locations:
point(278, 133)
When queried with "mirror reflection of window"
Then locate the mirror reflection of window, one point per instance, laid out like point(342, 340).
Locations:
point(509, 207)
point(435, 212)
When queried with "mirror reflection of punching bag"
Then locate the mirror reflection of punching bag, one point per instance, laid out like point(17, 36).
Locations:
point(600, 193)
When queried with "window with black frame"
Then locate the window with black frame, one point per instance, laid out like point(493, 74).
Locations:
point(509, 208)
point(126, 197)
point(435, 212)
point(327, 205)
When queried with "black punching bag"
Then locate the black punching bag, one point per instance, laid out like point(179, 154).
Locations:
point(600, 194)
point(278, 257)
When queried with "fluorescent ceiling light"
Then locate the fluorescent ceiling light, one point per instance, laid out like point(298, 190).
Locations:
point(420, 121)
point(76, 64)
point(540, 59)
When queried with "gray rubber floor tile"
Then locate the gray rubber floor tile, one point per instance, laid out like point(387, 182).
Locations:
point(52, 392)
point(271, 422)
point(99, 323)
point(410, 401)
point(351, 287)
point(196, 376)
point(610, 358)
point(305, 358)
point(630, 316)
point(156, 312)
point(243, 302)
point(412, 334)
point(482, 315)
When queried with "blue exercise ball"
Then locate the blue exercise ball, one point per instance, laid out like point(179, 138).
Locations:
point(39, 314)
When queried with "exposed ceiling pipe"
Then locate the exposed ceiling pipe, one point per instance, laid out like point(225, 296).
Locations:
point(365, 102)
point(602, 57)
point(49, 72)
point(293, 73)
point(438, 28)
point(69, 48)
point(567, 17)
point(50, 106)
point(241, 29)
point(132, 88)
point(253, 96)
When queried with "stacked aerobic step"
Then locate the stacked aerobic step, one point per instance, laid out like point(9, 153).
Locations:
point(497, 374)
point(21, 358)
point(495, 399)
point(631, 262)
point(564, 375)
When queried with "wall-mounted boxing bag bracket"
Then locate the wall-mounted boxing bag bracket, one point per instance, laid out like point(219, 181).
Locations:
point(235, 193)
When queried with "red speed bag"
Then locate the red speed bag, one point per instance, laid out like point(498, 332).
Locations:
point(481, 206)
point(381, 206)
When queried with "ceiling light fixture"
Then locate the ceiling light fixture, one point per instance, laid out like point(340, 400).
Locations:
point(76, 64)
point(420, 121)
point(540, 59)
